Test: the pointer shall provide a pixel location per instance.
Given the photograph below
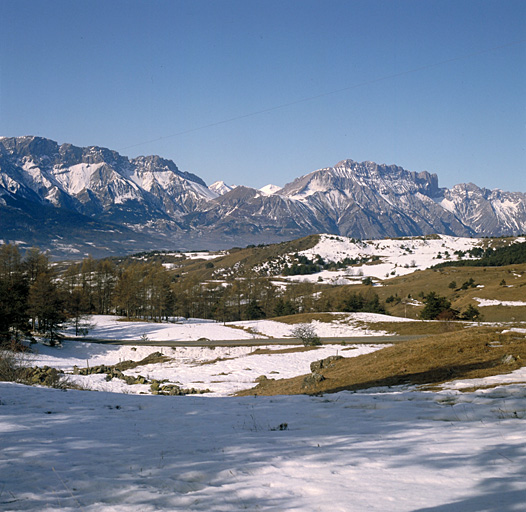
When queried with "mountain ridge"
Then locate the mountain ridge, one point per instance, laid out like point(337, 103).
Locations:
point(150, 196)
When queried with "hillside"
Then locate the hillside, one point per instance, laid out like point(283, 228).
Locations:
point(469, 354)
point(314, 274)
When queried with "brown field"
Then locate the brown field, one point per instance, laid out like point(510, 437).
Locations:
point(472, 353)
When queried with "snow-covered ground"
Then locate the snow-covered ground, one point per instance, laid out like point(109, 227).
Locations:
point(398, 257)
point(381, 450)
point(222, 370)
point(384, 449)
point(494, 302)
point(112, 327)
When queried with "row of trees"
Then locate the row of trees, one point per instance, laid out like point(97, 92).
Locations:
point(36, 297)
point(140, 289)
point(509, 255)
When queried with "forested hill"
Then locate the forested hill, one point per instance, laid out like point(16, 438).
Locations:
point(510, 255)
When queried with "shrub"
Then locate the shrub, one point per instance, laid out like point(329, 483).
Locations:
point(472, 313)
point(13, 366)
point(437, 307)
point(307, 334)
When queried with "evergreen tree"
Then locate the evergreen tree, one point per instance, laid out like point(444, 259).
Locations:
point(253, 311)
point(436, 306)
point(13, 295)
point(471, 314)
point(46, 306)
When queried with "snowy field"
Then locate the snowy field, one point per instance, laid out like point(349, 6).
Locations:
point(222, 370)
point(109, 327)
point(397, 257)
point(384, 449)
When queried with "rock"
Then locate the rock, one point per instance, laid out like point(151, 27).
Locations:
point(316, 366)
point(508, 359)
point(313, 379)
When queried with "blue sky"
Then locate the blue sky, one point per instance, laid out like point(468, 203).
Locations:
point(256, 92)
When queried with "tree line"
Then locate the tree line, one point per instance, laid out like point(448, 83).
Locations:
point(513, 254)
point(35, 297)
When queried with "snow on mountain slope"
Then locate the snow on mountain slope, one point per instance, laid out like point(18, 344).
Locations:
point(220, 188)
point(270, 189)
point(346, 175)
point(486, 211)
point(78, 177)
point(367, 200)
point(151, 195)
point(97, 181)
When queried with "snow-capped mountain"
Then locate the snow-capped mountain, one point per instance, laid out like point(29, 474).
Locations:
point(367, 200)
point(99, 182)
point(486, 212)
point(220, 188)
point(270, 189)
point(65, 197)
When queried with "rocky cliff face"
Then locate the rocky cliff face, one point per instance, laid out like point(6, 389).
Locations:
point(486, 212)
point(98, 182)
point(96, 190)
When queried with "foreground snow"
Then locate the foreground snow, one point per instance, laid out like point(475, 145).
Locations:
point(401, 450)
point(396, 450)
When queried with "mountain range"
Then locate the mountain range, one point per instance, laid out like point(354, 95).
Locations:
point(76, 201)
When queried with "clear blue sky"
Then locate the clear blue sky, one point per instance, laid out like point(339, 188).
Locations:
point(428, 85)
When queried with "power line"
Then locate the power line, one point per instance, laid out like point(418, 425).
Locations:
point(328, 93)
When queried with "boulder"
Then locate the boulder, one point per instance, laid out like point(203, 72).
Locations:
point(321, 364)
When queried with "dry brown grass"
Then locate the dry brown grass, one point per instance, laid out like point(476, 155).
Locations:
point(474, 353)
point(416, 328)
point(438, 280)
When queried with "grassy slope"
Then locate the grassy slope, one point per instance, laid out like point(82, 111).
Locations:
point(474, 353)
point(438, 280)
point(245, 258)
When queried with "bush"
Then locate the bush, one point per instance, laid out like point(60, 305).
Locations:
point(307, 334)
point(13, 367)
point(472, 314)
point(437, 308)
point(15, 363)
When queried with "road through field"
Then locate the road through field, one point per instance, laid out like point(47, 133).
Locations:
point(204, 342)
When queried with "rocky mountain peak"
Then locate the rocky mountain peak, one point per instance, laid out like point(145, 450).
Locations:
point(220, 187)
point(43, 184)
